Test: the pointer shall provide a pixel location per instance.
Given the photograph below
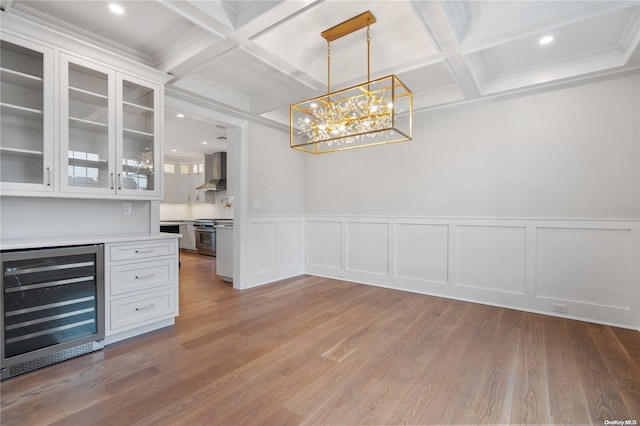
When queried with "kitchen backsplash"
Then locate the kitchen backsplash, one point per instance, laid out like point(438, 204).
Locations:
point(171, 211)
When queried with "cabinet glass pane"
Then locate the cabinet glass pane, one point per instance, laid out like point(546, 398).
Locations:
point(138, 137)
point(88, 128)
point(21, 114)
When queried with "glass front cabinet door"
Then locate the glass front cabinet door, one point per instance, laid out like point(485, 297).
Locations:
point(87, 131)
point(26, 116)
point(108, 134)
point(139, 167)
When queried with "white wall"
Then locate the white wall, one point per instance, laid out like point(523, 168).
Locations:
point(570, 153)
point(27, 217)
point(276, 173)
point(275, 234)
point(531, 203)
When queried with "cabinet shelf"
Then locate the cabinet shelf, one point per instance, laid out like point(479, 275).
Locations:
point(88, 97)
point(137, 134)
point(20, 152)
point(20, 111)
point(83, 162)
point(88, 125)
point(21, 79)
point(137, 107)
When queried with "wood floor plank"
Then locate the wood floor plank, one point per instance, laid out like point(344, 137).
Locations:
point(312, 350)
point(531, 402)
point(491, 393)
point(603, 399)
point(567, 400)
point(622, 368)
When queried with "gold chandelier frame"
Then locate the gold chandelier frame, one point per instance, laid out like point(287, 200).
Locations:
point(376, 112)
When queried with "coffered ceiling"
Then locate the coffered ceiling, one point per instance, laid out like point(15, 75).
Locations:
point(260, 56)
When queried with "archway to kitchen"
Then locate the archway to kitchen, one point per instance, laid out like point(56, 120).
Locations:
point(237, 160)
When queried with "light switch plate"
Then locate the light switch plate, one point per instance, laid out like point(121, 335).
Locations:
point(126, 208)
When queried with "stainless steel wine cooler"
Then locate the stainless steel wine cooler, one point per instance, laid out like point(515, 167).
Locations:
point(52, 306)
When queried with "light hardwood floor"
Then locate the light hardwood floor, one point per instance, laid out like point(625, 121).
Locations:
point(310, 350)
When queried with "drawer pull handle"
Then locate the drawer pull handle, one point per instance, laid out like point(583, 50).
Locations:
point(142, 277)
point(144, 251)
point(144, 308)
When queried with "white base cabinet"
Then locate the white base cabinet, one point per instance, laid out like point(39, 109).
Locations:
point(141, 287)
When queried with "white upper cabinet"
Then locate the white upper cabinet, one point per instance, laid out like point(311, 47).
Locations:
point(109, 133)
point(87, 130)
point(138, 168)
point(26, 127)
point(75, 124)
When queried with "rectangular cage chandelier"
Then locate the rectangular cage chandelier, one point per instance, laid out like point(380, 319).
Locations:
point(376, 112)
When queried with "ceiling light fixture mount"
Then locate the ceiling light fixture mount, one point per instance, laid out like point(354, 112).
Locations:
point(376, 112)
point(116, 8)
point(545, 40)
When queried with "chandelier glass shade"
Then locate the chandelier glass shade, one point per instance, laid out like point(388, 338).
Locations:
point(376, 112)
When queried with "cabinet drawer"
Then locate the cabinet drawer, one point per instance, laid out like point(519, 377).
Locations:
point(142, 276)
point(142, 309)
point(142, 250)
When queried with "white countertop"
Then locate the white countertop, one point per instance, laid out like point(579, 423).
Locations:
point(28, 243)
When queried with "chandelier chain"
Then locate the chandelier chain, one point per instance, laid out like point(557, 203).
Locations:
point(368, 54)
point(328, 67)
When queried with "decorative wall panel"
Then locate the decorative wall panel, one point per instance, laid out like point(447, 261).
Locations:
point(324, 243)
point(584, 265)
point(368, 247)
point(290, 248)
point(491, 258)
point(263, 247)
point(421, 251)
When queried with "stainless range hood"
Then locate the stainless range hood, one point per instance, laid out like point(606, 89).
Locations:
point(215, 172)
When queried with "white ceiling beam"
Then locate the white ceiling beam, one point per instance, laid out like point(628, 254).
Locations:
point(444, 37)
point(209, 18)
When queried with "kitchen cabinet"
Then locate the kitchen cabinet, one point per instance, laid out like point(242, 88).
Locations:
point(184, 183)
point(26, 116)
point(109, 132)
point(188, 240)
point(224, 252)
point(197, 179)
point(177, 180)
point(141, 286)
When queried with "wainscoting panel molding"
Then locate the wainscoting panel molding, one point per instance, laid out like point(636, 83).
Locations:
point(368, 247)
point(327, 252)
point(581, 269)
point(275, 249)
point(491, 258)
point(422, 252)
point(574, 265)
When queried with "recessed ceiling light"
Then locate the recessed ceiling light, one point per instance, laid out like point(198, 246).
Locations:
point(180, 115)
point(545, 40)
point(116, 8)
point(204, 142)
point(174, 150)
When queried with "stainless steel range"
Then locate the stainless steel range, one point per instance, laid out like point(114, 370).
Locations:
point(206, 235)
